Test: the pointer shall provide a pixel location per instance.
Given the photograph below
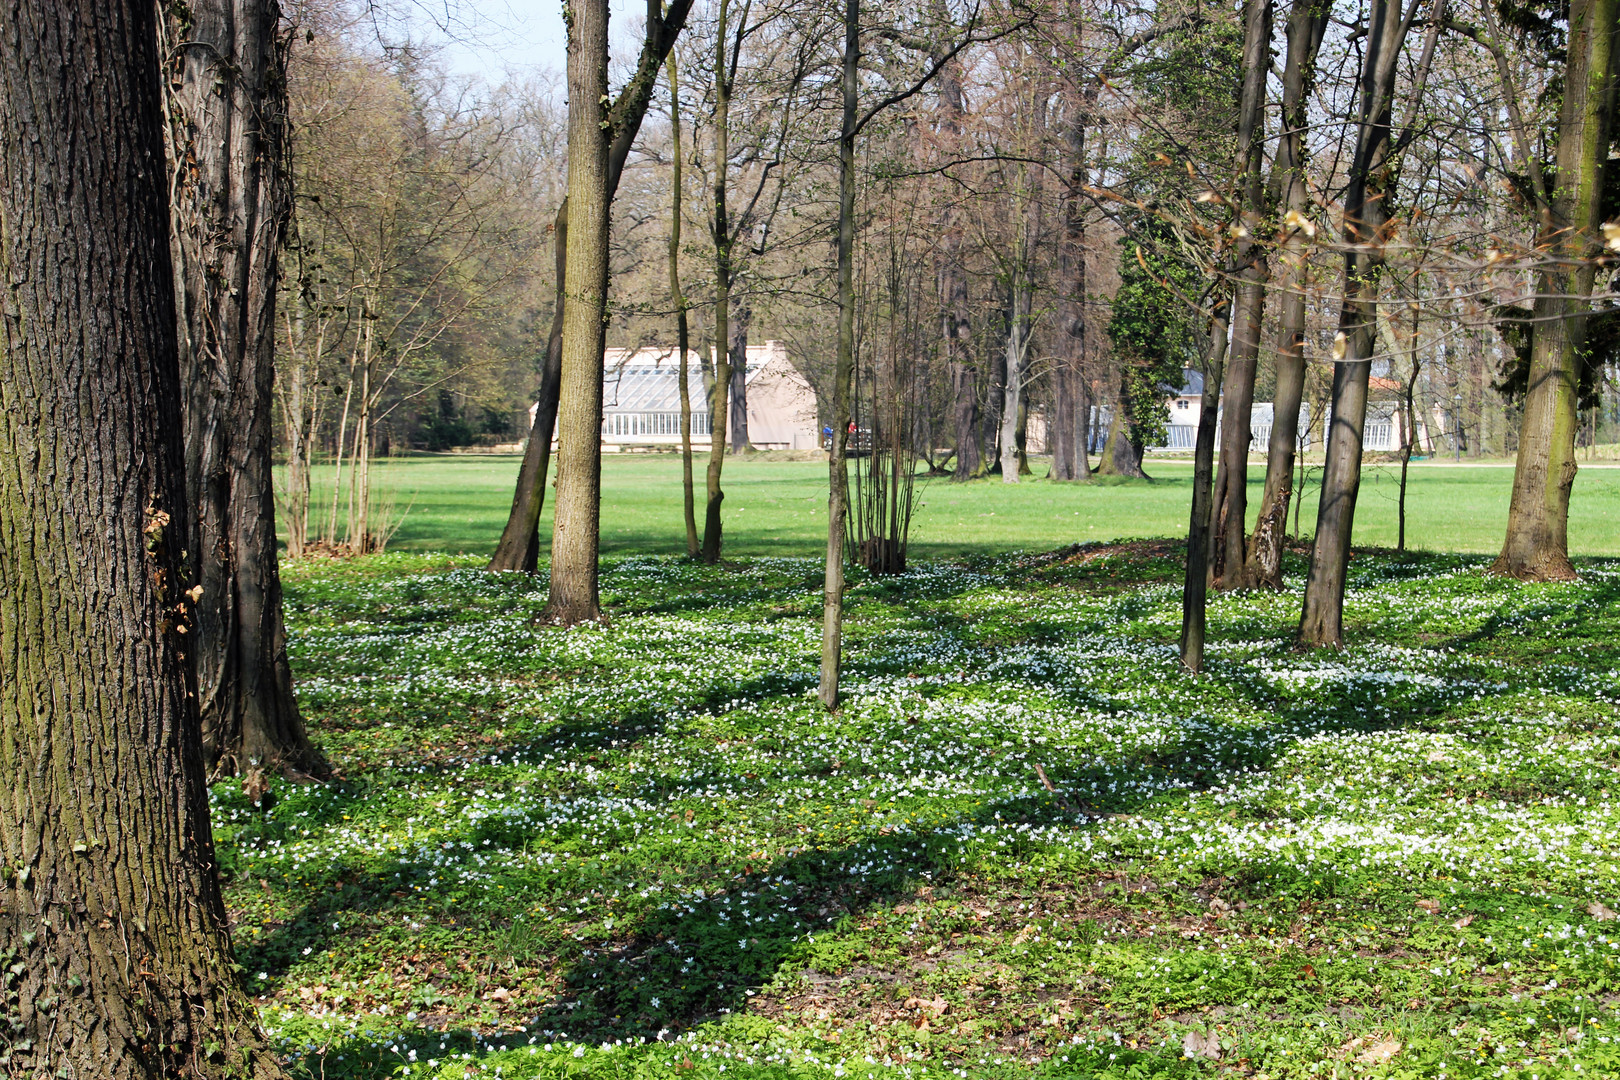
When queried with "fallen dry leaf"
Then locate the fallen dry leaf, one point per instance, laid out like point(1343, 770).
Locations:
point(1201, 1044)
point(1431, 906)
point(500, 993)
point(1466, 920)
point(1601, 911)
point(1379, 1052)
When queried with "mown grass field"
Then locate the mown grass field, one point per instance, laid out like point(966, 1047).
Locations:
point(459, 504)
point(1029, 845)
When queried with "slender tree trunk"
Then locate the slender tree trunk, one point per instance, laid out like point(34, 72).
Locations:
point(720, 231)
point(1195, 583)
point(1230, 547)
point(576, 525)
point(739, 380)
point(1371, 188)
point(956, 329)
point(832, 597)
point(227, 108)
point(117, 951)
point(1406, 443)
point(519, 547)
point(678, 299)
point(1536, 547)
point(1307, 22)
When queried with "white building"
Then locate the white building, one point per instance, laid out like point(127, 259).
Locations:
point(641, 403)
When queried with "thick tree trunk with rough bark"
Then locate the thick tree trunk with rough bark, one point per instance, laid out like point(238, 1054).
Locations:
point(1307, 22)
point(1121, 454)
point(1195, 582)
point(115, 938)
point(832, 591)
point(226, 104)
point(1229, 565)
point(1536, 547)
point(576, 525)
point(1070, 456)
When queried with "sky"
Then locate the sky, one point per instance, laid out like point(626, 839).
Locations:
point(488, 38)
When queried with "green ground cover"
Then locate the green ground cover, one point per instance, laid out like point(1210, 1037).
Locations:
point(1029, 845)
point(459, 504)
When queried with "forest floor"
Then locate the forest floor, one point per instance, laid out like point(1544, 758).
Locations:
point(772, 507)
point(1029, 845)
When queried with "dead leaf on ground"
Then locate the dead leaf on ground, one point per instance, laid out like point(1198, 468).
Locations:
point(1201, 1044)
point(1379, 1052)
point(934, 1006)
point(1466, 920)
point(1601, 911)
point(1431, 906)
point(500, 993)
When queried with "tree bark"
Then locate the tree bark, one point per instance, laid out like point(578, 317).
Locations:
point(739, 381)
point(114, 933)
point(1307, 22)
point(1368, 195)
point(1536, 547)
point(720, 233)
point(519, 546)
point(832, 595)
point(678, 300)
point(1194, 598)
point(1121, 454)
point(576, 525)
point(956, 329)
point(227, 106)
point(1230, 549)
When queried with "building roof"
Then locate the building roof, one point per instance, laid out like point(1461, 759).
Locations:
point(648, 379)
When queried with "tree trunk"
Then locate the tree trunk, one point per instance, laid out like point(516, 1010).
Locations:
point(1121, 453)
point(1536, 547)
point(576, 525)
point(739, 381)
point(956, 329)
point(1367, 209)
point(720, 233)
point(1012, 400)
point(227, 106)
point(1230, 548)
point(965, 418)
point(1307, 23)
point(114, 933)
point(1194, 599)
point(832, 595)
point(519, 547)
point(678, 299)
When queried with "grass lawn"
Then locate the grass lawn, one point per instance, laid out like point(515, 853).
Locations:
point(1029, 846)
point(459, 504)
